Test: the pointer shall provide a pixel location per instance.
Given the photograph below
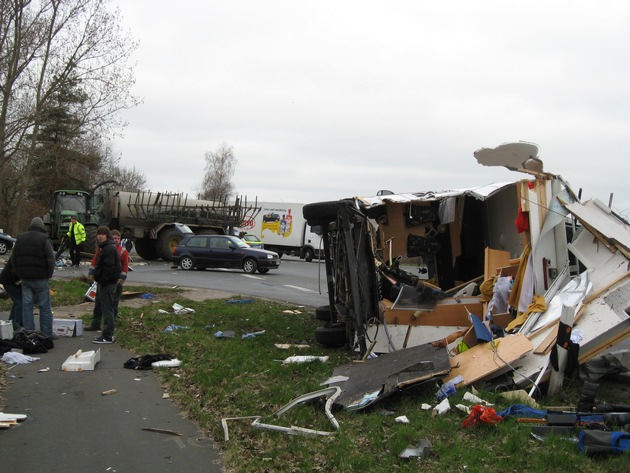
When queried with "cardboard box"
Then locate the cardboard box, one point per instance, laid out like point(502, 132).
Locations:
point(68, 327)
point(82, 361)
point(6, 330)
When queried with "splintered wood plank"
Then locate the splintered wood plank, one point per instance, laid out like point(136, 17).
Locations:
point(493, 260)
point(447, 312)
point(481, 360)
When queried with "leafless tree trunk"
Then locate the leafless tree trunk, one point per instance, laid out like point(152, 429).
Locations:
point(220, 167)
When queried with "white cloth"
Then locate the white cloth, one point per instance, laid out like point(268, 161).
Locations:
point(14, 358)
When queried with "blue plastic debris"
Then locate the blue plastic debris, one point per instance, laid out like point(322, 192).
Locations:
point(252, 334)
point(147, 295)
point(240, 301)
point(172, 327)
point(226, 334)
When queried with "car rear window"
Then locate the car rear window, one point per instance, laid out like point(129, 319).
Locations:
point(197, 242)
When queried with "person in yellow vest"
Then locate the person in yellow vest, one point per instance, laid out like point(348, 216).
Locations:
point(76, 237)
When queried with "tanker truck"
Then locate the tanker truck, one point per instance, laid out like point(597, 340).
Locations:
point(153, 222)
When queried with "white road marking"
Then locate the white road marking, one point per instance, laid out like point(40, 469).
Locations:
point(299, 288)
point(252, 276)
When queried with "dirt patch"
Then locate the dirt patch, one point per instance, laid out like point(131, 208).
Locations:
point(134, 300)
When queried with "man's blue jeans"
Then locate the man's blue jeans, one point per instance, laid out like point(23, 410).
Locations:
point(37, 291)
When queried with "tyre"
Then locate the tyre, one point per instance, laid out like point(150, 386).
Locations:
point(331, 335)
point(309, 254)
point(263, 270)
point(145, 247)
point(167, 241)
point(3, 247)
point(90, 239)
point(323, 313)
point(186, 263)
point(322, 212)
point(250, 266)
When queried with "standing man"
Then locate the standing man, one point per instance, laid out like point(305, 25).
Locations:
point(76, 237)
point(107, 272)
point(34, 263)
point(12, 284)
point(97, 314)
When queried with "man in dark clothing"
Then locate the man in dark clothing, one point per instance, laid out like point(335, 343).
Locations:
point(34, 263)
point(12, 284)
point(107, 272)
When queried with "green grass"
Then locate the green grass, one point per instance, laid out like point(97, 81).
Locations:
point(222, 378)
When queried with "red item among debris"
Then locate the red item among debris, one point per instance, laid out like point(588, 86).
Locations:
point(522, 220)
point(481, 415)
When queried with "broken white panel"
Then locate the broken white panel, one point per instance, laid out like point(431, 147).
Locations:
point(418, 335)
point(597, 215)
point(590, 252)
point(549, 238)
point(513, 156)
point(571, 295)
point(601, 321)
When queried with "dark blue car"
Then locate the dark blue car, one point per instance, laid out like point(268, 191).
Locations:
point(223, 251)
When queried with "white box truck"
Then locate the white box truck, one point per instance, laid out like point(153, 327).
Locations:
point(282, 228)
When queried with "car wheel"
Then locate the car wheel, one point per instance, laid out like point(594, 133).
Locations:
point(263, 270)
point(250, 266)
point(309, 254)
point(331, 335)
point(3, 248)
point(186, 263)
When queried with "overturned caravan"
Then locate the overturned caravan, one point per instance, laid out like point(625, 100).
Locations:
point(518, 279)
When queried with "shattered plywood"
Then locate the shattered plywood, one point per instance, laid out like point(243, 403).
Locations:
point(449, 312)
point(376, 378)
point(488, 358)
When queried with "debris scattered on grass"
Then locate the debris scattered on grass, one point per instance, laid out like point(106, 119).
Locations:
point(305, 359)
point(424, 448)
point(252, 334)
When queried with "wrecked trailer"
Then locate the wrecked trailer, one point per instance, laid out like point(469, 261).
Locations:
point(447, 268)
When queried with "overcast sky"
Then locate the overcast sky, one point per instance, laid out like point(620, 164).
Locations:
point(332, 99)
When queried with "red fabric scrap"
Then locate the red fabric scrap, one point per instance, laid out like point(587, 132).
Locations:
point(522, 220)
point(481, 415)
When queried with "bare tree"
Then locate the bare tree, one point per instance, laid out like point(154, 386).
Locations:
point(46, 45)
point(130, 180)
point(220, 167)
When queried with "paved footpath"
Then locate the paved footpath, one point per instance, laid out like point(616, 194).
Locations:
point(73, 428)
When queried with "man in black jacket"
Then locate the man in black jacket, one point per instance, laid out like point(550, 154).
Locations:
point(107, 271)
point(34, 263)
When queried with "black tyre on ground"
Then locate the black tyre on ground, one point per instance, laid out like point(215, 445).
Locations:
point(145, 247)
point(250, 265)
point(167, 241)
point(331, 335)
point(323, 313)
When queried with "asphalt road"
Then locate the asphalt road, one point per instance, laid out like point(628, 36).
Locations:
point(296, 281)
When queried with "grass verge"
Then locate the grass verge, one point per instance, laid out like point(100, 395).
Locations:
point(235, 377)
